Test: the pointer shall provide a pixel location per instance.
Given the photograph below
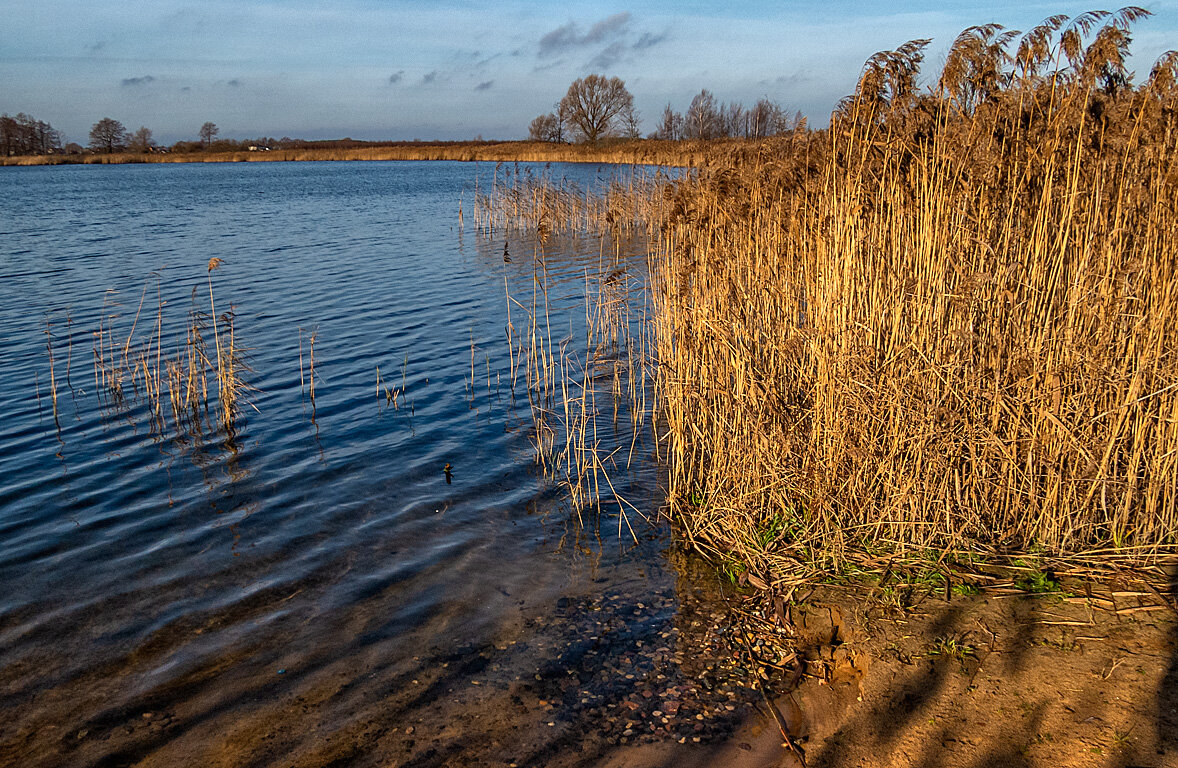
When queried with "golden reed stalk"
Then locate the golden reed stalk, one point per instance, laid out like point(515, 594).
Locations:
point(947, 324)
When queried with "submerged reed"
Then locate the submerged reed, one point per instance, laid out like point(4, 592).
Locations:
point(138, 371)
point(586, 394)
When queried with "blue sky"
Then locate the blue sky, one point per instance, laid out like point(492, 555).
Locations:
point(393, 69)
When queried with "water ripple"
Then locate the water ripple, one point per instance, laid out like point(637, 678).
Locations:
point(142, 561)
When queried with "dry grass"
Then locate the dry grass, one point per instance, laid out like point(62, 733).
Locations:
point(639, 152)
point(945, 326)
point(171, 386)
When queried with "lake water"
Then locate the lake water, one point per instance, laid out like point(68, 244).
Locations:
point(314, 589)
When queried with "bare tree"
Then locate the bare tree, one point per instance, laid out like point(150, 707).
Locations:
point(108, 135)
point(703, 117)
point(142, 142)
point(561, 110)
point(670, 125)
point(799, 123)
point(208, 132)
point(734, 119)
point(595, 104)
point(631, 123)
point(763, 119)
point(545, 128)
point(23, 135)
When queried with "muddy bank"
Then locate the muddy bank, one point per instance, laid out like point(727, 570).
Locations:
point(648, 673)
point(1018, 680)
point(1055, 679)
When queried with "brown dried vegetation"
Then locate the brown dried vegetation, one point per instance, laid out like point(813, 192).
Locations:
point(134, 371)
point(947, 324)
point(642, 152)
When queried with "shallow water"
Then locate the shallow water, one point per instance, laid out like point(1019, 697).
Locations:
point(178, 595)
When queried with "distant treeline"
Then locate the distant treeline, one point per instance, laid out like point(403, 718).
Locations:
point(598, 107)
point(264, 144)
point(25, 135)
point(706, 118)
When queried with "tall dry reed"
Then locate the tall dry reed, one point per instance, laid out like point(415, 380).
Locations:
point(946, 325)
point(956, 333)
point(587, 391)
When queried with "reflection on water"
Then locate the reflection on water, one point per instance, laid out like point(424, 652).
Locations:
point(371, 540)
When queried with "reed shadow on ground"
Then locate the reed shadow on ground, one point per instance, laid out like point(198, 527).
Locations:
point(1167, 714)
point(1031, 695)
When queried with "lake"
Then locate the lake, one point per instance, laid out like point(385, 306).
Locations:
point(313, 587)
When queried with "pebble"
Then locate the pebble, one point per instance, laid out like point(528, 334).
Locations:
point(630, 672)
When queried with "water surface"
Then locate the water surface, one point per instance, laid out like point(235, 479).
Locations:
point(303, 590)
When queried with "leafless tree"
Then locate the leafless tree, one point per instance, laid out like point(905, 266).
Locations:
point(142, 141)
point(108, 135)
point(703, 117)
point(631, 124)
point(733, 119)
point(23, 135)
point(208, 132)
point(545, 128)
point(595, 105)
point(670, 127)
point(763, 119)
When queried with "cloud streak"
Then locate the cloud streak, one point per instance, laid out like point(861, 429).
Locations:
point(131, 82)
point(649, 41)
point(569, 36)
point(612, 54)
point(613, 37)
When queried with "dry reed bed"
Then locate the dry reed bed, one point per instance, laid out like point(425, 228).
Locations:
point(638, 152)
point(943, 329)
point(589, 396)
point(519, 200)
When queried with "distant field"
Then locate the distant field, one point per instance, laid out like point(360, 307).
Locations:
point(642, 152)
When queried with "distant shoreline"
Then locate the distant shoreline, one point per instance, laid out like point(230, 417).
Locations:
point(636, 152)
